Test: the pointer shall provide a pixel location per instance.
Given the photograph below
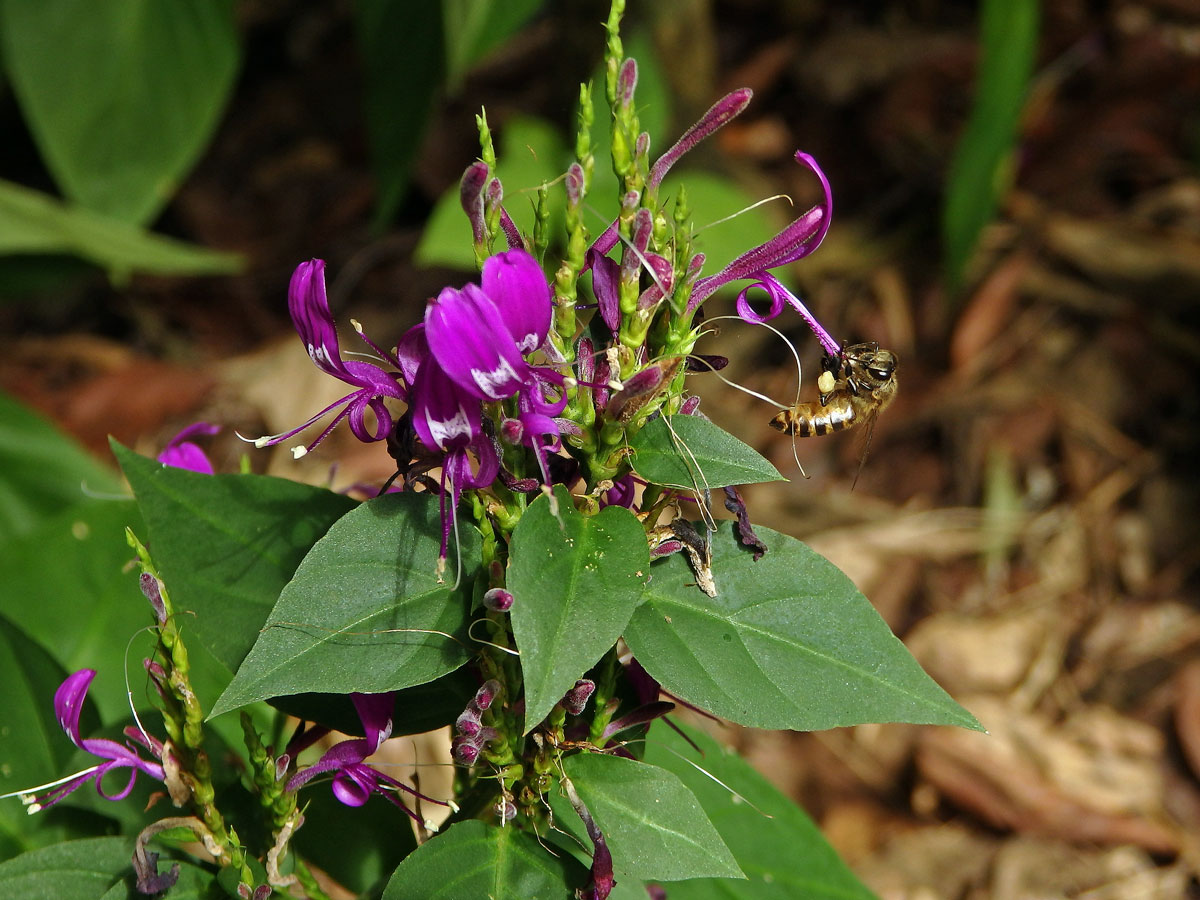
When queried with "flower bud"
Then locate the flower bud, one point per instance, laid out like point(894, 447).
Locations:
point(511, 431)
point(468, 724)
point(498, 600)
point(487, 693)
point(153, 591)
point(577, 697)
point(627, 81)
point(464, 751)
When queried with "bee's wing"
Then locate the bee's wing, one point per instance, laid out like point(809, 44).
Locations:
point(868, 432)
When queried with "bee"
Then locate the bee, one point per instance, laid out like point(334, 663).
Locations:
point(855, 386)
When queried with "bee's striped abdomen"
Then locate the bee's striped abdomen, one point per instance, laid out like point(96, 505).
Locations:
point(815, 420)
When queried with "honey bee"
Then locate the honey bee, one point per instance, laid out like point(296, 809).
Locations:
point(855, 386)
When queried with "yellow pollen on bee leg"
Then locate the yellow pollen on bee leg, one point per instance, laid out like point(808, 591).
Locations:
point(825, 383)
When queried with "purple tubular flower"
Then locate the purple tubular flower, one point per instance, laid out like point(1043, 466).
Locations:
point(181, 453)
point(498, 600)
point(309, 308)
point(353, 780)
point(793, 243)
point(605, 273)
point(718, 115)
point(68, 705)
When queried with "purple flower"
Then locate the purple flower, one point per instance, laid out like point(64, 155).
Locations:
point(309, 308)
point(793, 243)
point(353, 780)
point(68, 704)
point(181, 453)
point(478, 334)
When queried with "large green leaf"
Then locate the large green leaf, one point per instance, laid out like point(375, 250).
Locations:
point(366, 610)
point(788, 642)
point(65, 584)
point(471, 859)
point(121, 96)
point(227, 544)
point(575, 581)
point(475, 27)
point(33, 747)
point(44, 470)
point(75, 870)
point(34, 223)
point(783, 854)
point(401, 47)
point(652, 823)
point(982, 169)
point(692, 452)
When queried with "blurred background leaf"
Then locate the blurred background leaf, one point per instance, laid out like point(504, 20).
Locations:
point(982, 169)
point(172, 67)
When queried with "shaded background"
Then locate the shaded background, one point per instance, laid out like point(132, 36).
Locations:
point(1026, 517)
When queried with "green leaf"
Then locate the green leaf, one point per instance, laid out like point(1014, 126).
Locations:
point(691, 452)
point(365, 611)
point(32, 222)
point(531, 152)
point(475, 27)
point(44, 470)
point(345, 841)
point(33, 748)
point(981, 171)
point(783, 854)
point(652, 823)
point(121, 96)
point(788, 642)
point(227, 544)
point(65, 584)
point(425, 707)
point(471, 859)
point(75, 870)
point(575, 582)
point(401, 47)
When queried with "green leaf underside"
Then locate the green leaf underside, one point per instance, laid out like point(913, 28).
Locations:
point(784, 856)
point(359, 613)
point(227, 544)
point(788, 642)
point(472, 859)
point(171, 65)
point(44, 470)
point(34, 223)
point(574, 585)
point(691, 452)
point(654, 826)
point(75, 870)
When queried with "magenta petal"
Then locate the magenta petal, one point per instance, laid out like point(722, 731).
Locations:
point(375, 711)
point(515, 283)
point(68, 702)
point(443, 414)
point(352, 788)
point(472, 343)
point(604, 285)
point(309, 308)
point(186, 456)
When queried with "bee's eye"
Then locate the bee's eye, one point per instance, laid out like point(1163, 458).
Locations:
point(881, 373)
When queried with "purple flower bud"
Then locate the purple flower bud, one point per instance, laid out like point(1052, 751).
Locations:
point(468, 724)
point(630, 201)
point(641, 147)
point(605, 272)
point(506, 810)
point(153, 591)
point(486, 694)
point(471, 196)
point(512, 431)
point(464, 751)
point(574, 184)
point(627, 81)
point(666, 548)
point(577, 697)
point(498, 600)
point(281, 765)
